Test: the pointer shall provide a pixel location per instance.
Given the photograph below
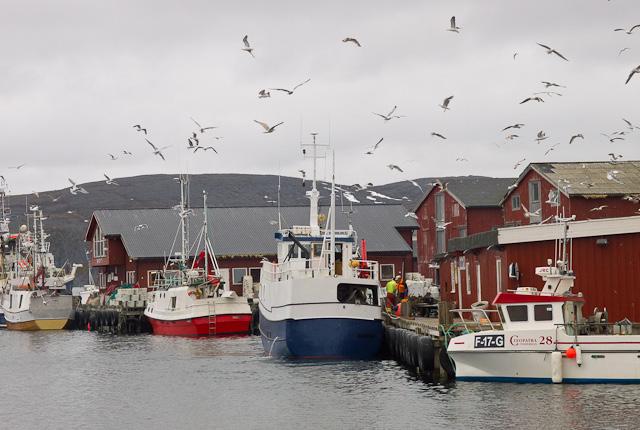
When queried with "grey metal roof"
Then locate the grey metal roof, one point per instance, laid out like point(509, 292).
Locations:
point(479, 191)
point(247, 231)
point(590, 178)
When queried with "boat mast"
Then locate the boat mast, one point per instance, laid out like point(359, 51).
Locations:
point(314, 195)
point(206, 234)
point(184, 222)
point(332, 247)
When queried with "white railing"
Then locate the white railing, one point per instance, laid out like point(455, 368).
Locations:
point(315, 267)
point(480, 318)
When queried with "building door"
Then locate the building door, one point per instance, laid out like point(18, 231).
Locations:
point(226, 278)
point(534, 202)
point(441, 246)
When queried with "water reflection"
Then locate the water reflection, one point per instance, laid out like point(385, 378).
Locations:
point(102, 381)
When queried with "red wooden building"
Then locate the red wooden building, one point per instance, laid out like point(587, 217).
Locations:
point(581, 189)
point(462, 207)
point(605, 257)
point(603, 197)
point(130, 246)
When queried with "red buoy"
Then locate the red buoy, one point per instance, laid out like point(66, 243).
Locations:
point(570, 352)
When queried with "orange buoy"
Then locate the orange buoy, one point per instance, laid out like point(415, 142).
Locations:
point(570, 352)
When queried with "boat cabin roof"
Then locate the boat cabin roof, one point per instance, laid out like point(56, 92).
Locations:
point(514, 298)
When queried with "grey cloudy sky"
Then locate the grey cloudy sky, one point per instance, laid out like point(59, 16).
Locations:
point(76, 75)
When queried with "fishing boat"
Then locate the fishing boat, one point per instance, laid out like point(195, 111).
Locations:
point(320, 299)
point(193, 300)
point(35, 295)
point(541, 335)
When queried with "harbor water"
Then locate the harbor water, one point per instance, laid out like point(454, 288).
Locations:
point(81, 380)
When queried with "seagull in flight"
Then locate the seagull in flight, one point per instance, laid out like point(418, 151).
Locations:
point(535, 99)
point(433, 133)
point(629, 125)
point(125, 152)
point(452, 25)
point(352, 40)
point(75, 189)
point(140, 227)
point(202, 129)
point(630, 31)
point(113, 157)
point(138, 127)
point(390, 115)
point(576, 136)
point(461, 159)
point(18, 167)
point(263, 94)
point(598, 208)
point(612, 175)
point(612, 139)
point(511, 136)
point(614, 157)
point(110, 181)
point(552, 51)
point(411, 215)
point(370, 152)
point(157, 151)
point(518, 163)
point(633, 72)
point(548, 84)
point(290, 91)
point(394, 167)
point(205, 148)
point(622, 50)
point(445, 103)
point(551, 148)
point(414, 183)
point(528, 214)
point(267, 128)
point(247, 46)
point(541, 136)
point(513, 126)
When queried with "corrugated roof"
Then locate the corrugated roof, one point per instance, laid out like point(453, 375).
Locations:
point(590, 178)
point(247, 230)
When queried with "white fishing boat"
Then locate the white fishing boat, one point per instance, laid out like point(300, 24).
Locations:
point(542, 336)
point(192, 300)
point(35, 295)
point(320, 300)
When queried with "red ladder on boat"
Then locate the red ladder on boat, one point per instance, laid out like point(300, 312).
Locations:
point(212, 320)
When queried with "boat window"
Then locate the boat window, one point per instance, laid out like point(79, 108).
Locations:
point(10, 301)
point(357, 294)
point(20, 303)
point(517, 313)
point(316, 249)
point(542, 312)
point(173, 302)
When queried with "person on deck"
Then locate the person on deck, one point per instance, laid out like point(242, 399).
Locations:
point(391, 287)
point(403, 291)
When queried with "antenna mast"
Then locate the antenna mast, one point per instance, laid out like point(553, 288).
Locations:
point(314, 195)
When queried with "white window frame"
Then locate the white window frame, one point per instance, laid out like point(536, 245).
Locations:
point(456, 209)
point(498, 275)
point(151, 274)
point(130, 277)
point(453, 277)
point(468, 278)
point(234, 281)
point(393, 271)
point(515, 206)
point(99, 243)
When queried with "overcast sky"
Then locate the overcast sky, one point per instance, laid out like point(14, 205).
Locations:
point(76, 75)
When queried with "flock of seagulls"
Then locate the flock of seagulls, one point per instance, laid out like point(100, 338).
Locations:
point(551, 90)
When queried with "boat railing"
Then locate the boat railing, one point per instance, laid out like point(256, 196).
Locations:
point(367, 269)
point(480, 319)
point(293, 269)
point(587, 328)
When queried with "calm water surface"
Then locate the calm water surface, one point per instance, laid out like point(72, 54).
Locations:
point(79, 380)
